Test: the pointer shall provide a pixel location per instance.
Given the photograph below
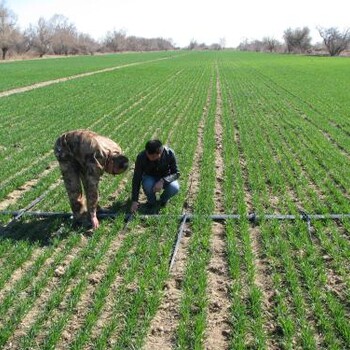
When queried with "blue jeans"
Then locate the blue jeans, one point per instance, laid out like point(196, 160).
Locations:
point(169, 191)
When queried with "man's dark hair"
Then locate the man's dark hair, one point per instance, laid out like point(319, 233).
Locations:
point(153, 146)
point(122, 162)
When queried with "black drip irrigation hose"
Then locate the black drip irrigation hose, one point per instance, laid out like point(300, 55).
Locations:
point(178, 240)
point(184, 218)
point(189, 217)
point(18, 214)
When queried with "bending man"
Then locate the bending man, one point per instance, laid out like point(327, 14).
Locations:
point(156, 168)
point(83, 157)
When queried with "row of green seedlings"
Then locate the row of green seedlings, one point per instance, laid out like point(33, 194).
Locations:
point(24, 73)
point(335, 156)
point(246, 310)
point(251, 173)
point(28, 110)
point(312, 148)
point(262, 184)
point(301, 77)
point(336, 238)
point(163, 110)
point(129, 338)
point(331, 126)
point(329, 168)
point(310, 205)
point(39, 145)
point(269, 131)
point(135, 334)
point(32, 234)
point(194, 305)
point(118, 108)
point(66, 294)
point(317, 82)
point(51, 178)
point(261, 153)
point(51, 200)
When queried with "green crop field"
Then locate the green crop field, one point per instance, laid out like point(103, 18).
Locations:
point(261, 138)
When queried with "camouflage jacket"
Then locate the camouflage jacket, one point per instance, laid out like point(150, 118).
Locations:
point(91, 152)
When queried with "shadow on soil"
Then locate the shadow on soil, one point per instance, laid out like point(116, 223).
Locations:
point(44, 231)
point(40, 231)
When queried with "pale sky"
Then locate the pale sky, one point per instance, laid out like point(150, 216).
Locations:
point(183, 20)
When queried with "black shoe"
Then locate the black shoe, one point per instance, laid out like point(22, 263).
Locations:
point(81, 224)
point(81, 221)
point(150, 205)
point(150, 208)
point(77, 223)
point(103, 211)
point(163, 203)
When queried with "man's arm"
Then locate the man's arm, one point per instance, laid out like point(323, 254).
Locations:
point(136, 180)
point(174, 170)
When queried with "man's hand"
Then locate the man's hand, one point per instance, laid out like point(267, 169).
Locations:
point(158, 186)
point(134, 207)
point(94, 221)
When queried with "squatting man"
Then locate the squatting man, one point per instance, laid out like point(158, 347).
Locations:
point(84, 156)
point(156, 169)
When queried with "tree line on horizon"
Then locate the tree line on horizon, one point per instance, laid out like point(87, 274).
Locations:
point(298, 40)
point(58, 36)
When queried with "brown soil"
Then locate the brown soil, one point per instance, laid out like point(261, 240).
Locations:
point(163, 326)
point(218, 316)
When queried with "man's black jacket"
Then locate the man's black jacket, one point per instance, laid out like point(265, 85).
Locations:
point(165, 168)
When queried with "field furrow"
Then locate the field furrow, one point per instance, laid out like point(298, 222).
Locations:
point(261, 140)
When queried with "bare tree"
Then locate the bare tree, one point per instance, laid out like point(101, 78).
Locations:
point(9, 34)
point(215, 47)
point(86, 44)
point(57, 35)
point(64, 35)
point(255, 45)
point(297, 40)
point(161, 44)
point(133, 43)
point(116, 41)
point(270, 44)
point(193, 45)
point(243, 45)
point(40, 36)
point(335, 41)
point(222, 43)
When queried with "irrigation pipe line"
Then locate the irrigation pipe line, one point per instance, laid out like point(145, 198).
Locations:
point(18, 214)
point(178, 240)
point(184, 218)
point(189, 217)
